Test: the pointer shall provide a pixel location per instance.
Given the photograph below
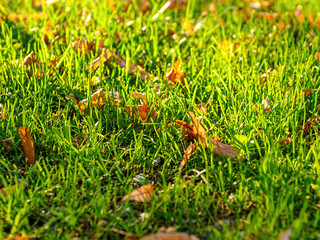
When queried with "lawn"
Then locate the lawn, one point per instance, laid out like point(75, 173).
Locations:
point(194, 119)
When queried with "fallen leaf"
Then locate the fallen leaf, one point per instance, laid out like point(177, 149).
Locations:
point(28, 144)
point(307, 126)
point(143, 111)
point(175, 75)
point(190, 134)
point(170, 236)
point(286, 140)
point(7, 143)
point(286, 235)
point(187, 154)
point(308, 91)
point(198, 132)
point(142, 194)
point(98, 99)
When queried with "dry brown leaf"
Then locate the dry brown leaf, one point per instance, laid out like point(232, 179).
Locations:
point(7, 143)
point(170, 236)
point(308, 91)
point(223, 149)
point(107, 54)
point(175, 75)
point(98, 99)
point(199, 130)
point(28, 144)
point(189, 151)
point(286, 140)
point(190, 134)
point(143, 111)
point(308, 125)
point(142, 194)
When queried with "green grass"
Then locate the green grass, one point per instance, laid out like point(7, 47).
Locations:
point(73, 188)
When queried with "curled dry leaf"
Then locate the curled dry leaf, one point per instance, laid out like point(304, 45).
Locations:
point(199, 130)
point(175, 75)
point(143, 111)
point(7, 143)
point(28, 144)
point(72, 96)
point(170, 236)
point(142, 194)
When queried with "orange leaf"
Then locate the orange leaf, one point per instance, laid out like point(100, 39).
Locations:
point(189, 151)
point(199, 130)
point(143, 111)
point(28, 144)
point(174, 74)
point(308, 91)
point(141, 194)
point(170, 236)
point(190, 134)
